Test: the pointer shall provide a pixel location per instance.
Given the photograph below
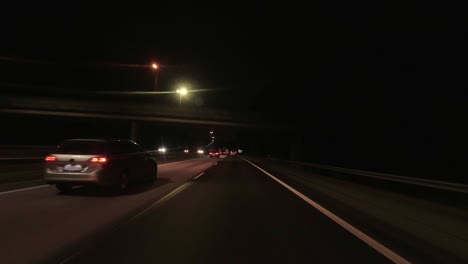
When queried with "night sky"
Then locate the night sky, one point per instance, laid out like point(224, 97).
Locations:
point(368, 83)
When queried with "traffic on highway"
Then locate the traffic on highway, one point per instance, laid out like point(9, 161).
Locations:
point(200, 209)
point(289, 132)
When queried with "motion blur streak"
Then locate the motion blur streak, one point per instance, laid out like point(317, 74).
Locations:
point(149, 93)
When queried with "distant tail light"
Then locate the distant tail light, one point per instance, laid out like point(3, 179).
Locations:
point(97, 160)
point(50, 158)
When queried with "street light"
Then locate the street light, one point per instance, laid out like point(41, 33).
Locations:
point(155, 68)
point(181, 91)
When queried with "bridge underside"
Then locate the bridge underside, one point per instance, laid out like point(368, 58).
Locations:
point(124, 111)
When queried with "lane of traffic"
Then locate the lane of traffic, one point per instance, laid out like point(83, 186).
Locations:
point(26, 174)
point(233, 212)
point(43, 221)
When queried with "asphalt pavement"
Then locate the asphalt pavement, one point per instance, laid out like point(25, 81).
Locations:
point(42, 225)
point(233, 213)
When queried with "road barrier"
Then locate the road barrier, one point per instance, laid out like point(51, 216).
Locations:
point(23, 153)
point(440, 185)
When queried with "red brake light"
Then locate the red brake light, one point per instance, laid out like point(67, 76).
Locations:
point(97, 160)
point(50, 158)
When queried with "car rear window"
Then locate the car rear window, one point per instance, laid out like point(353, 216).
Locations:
point(82, 147)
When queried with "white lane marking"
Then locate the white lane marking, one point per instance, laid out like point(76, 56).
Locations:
point(356, 232)
point(25, 189)
point(155, 204)
point(175, 162)
point(41, 186)
point(216, 163)
point(162, 200)
point(70, 257)
point(199, 175)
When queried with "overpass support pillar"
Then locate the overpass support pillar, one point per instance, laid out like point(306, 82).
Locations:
point(133, 130)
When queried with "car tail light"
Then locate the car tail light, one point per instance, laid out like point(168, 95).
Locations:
point(50, 158)
point(97, 160)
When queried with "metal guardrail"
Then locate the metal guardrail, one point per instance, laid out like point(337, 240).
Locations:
point(23, 152)
point(21, 158)
point(25, 147)
point(155, 153)
point(440, 185)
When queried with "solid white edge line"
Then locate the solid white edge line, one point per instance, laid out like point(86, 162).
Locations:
point(199, 175)
point(25, 189)
point(356, 232)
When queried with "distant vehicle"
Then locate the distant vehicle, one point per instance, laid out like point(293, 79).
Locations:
point(186, 151)
point(214, 154)
point(225, 152)
point(115, 162)
point(233, 152)
point(200, 151)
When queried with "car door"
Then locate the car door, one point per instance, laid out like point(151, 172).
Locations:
point(133, 160)
point(118, 161)
point(146, 162)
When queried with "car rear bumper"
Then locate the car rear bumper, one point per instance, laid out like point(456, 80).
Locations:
point(78, 178)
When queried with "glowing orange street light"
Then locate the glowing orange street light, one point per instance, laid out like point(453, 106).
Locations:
point(155, 68)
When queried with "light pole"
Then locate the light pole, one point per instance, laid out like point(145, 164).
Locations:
point(181, 91)
point(155, 68)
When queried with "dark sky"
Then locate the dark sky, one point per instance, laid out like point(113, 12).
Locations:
point(292, 53)
point(361, 75)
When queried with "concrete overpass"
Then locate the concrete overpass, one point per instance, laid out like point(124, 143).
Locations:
point(86, 107)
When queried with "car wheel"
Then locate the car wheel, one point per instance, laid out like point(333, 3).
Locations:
point(64, 187)
point(123, 182)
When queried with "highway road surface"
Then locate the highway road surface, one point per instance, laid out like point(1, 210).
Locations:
point(199, 211)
